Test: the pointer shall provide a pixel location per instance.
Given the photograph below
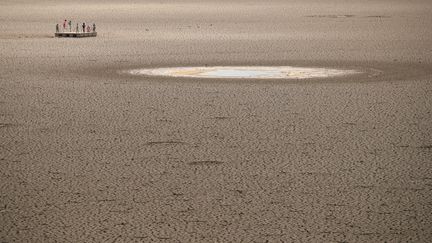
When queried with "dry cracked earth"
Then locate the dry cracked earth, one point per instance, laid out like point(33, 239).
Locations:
point(91, 154)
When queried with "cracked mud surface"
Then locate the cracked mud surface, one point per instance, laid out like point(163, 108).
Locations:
point(90, 155)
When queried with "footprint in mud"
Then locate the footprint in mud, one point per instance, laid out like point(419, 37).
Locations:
point(165, 143)
point(221, 118)
point(5, 125)
point(425, 146)
point(333, 16)
point(206, 162)
point(378, 16)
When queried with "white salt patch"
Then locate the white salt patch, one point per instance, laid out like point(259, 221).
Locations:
point(252, 72)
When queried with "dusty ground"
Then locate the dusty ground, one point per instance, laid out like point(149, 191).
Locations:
point(88, 154)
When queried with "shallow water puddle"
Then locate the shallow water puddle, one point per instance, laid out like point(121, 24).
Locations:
point(249, 72)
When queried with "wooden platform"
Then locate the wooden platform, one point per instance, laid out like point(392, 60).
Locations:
point(75, 34)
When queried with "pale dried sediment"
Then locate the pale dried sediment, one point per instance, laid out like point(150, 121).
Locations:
point(242, 72)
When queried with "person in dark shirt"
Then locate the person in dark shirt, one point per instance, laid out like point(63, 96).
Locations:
point(83, 26)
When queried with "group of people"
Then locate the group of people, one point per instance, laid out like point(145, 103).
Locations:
point(67, 25)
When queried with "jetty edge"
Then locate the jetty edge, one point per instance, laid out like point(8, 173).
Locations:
point(75, 34)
